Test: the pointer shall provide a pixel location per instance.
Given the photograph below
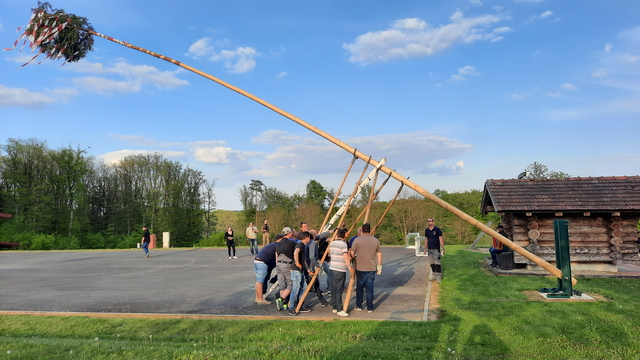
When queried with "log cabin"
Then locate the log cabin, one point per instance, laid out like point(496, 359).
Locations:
point(603, 217)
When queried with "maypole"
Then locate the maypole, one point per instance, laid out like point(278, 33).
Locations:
point(47, 32)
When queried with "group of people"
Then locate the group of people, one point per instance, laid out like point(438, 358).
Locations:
point(297, 258)
point(252, 237)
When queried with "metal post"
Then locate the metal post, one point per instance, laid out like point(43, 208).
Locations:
point(563, 262)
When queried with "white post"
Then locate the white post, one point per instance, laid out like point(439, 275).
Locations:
point(165, 240)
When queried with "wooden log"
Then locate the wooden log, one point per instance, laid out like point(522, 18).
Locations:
point(615, 226)
point(410, 184)
point(534, 234)
point(616, 255)
point(532, 226)
point(573, 221)
point(615, 241)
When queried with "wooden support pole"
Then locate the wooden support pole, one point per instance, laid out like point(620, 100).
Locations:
point(415, 187)
point(337, 195)
point(367, 207)
point(371, 197)
point(315, 275)
point(373, 231)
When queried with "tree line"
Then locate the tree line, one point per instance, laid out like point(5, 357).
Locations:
point(408, 214)
point(64, 199)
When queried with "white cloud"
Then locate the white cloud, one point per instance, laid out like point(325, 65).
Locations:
point(314, 156)
point(569, 87)
point(413, 38)
point(238, 61)
point(115, 156)
point(556, 94)
point(135, 77)
point(464, 71)
point(528, 0)
point(201, 47)
point(600, 73)
point(546, 14)
point(502, 30)
point(282, 74)
point(223, 155)
point(497, 39)
point(24, 98)
point(608, 47)
point(475, 2)
point(105, 86)
point(1, 26)
point(515, 96)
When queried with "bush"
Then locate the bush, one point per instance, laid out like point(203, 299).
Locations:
point(43, 242)
point(216, 239)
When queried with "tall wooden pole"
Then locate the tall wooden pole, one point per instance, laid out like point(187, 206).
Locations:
point(415, 187)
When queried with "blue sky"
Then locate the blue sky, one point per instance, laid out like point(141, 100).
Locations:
point(452, 93)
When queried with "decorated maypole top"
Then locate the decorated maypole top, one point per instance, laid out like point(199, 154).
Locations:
point(56, 34)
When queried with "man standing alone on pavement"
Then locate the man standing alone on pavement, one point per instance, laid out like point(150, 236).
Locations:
point(366, 250)
point(265, 233)
point(251, 236)
point(434, 248)
point(146, 239)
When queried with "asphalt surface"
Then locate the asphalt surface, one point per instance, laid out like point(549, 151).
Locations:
point(184, 281)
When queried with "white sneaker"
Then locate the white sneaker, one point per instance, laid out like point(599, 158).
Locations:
point(342, 313)
point(235, 257)
point(229, 257)
point(335, 311)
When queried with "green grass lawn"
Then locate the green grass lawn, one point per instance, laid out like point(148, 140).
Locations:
point(481, 317)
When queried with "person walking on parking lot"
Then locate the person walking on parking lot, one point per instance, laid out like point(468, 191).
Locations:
point(434, 249)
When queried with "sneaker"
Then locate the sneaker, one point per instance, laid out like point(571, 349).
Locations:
point(285, 306)
point(279, 304)
point(325, 304)
point(263, 302)
point(335, 311)
point(358, 309)
point(229, 257)
point(370, 311)
point(292, 312)
point(146, 255)
point(235, 257)
point(342, 313)
point(304, 309)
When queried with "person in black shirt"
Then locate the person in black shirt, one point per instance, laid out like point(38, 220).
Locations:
point(146, 239)
point(298, 269)
point(284, 260)
point(434, 248)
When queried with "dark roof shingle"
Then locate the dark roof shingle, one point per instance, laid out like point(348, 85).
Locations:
point(620, 193)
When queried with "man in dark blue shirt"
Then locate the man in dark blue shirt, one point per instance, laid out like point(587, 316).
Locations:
point(434, 248)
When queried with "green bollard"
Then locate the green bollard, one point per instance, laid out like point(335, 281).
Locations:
point(563, 262)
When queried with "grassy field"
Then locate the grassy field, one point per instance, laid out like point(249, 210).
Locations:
point(481, 317)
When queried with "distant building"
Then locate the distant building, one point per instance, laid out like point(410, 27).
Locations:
point(603, 215)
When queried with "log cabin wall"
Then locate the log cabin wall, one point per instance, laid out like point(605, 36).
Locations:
point(597, 241)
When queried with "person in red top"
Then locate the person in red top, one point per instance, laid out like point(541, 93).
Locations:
point(497, 246)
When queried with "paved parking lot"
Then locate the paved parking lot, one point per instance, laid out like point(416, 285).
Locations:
point(182, 281)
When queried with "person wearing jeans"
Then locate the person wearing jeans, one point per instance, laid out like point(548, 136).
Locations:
point(252, 237)
point(146, 239)
point(368, 254)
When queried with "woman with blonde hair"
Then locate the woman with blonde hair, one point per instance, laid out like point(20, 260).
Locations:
point(228, 235)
